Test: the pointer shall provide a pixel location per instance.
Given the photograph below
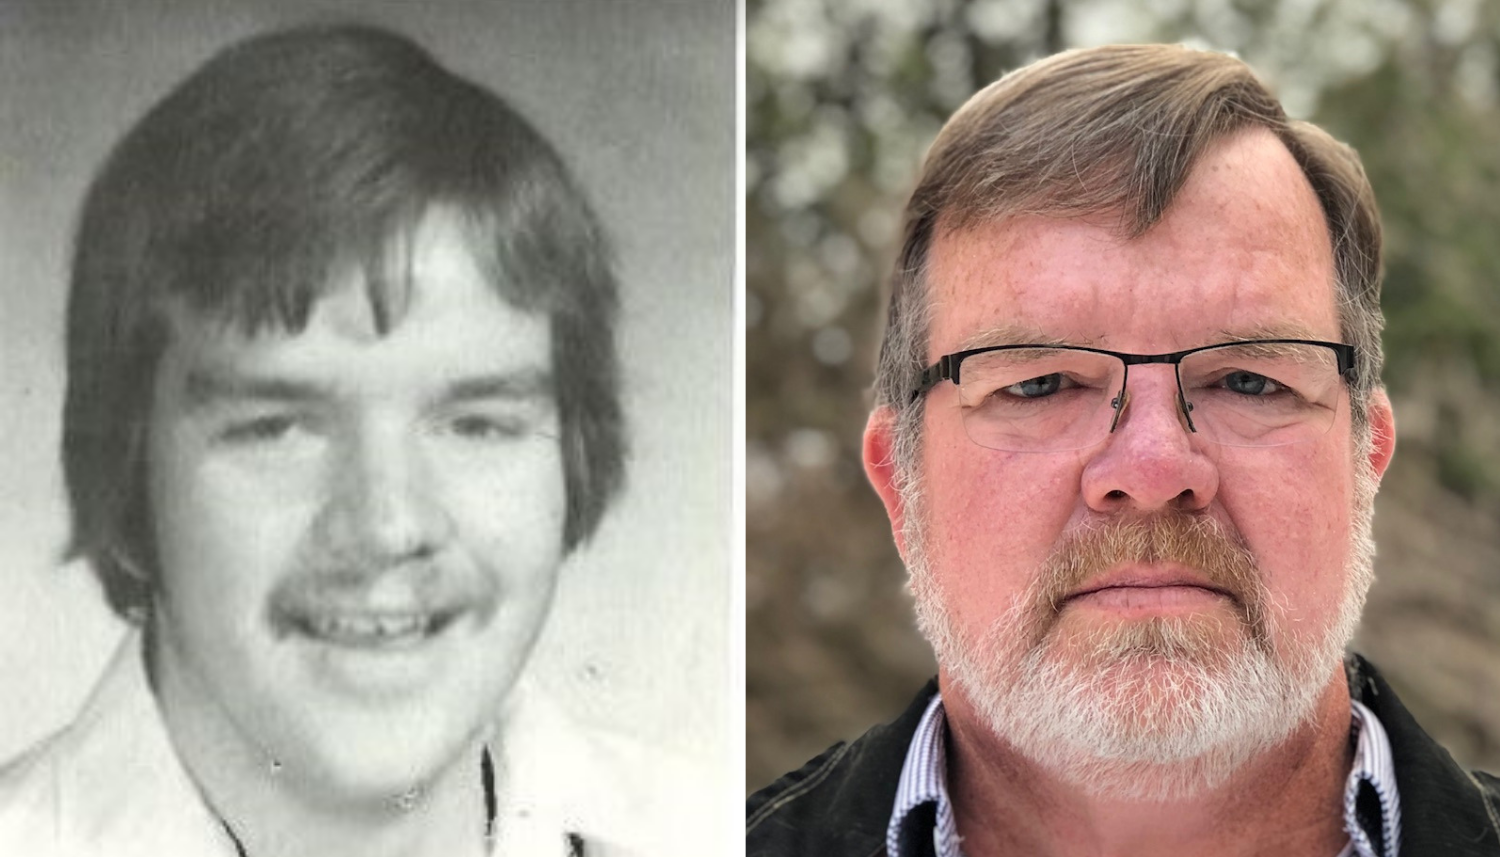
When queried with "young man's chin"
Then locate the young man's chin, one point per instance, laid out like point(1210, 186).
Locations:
point(376, 765)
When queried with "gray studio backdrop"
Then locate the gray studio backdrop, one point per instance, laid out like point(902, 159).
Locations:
point(639, 98)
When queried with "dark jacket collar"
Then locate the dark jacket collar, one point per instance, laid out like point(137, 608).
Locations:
point(1444, 808)
point(838, 804)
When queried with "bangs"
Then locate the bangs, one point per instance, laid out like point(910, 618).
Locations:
point(266, 180)
point(524, 263)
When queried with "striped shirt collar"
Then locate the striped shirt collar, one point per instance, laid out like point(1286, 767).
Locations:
point(1372, 805)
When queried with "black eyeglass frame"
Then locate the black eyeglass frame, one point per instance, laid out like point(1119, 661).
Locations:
point(947, 367)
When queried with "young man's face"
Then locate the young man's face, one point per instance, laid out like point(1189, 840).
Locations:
point(358, 534)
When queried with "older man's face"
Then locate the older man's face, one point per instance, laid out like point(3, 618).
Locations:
point(1243, 250)
point(358, 532)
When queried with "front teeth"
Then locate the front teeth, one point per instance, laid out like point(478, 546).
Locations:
point(374, 627)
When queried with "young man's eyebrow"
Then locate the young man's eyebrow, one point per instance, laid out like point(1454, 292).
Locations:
point(526, 384)
point(204, 387)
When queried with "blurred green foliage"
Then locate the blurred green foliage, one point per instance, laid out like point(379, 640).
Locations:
point(843, 96)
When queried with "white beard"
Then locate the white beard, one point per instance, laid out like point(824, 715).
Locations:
point(1159, 709)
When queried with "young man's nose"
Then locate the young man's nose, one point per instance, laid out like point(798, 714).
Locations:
point(1152, 460)
point(385, 504)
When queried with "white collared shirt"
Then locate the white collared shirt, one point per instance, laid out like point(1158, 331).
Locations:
point(924, 779)
point(111, 784)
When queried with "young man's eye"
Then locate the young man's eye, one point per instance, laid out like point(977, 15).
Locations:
point(489, 428)
point(259, 430)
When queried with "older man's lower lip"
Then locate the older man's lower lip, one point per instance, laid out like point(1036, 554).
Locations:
point(1148, 599)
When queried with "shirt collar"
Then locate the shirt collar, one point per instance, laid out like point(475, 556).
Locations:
point(924, 780)
point(1372, 805)
point(115, 777)
point(118, 785)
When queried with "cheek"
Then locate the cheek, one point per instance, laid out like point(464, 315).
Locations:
point(997, 517)
point(508, 521)
point(1292, 505)
point(223, 543)
point(507, 511)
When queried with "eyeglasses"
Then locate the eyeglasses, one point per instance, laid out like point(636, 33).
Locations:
point(1057, 398)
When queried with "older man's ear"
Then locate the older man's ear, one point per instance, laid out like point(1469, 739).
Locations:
point(880, 467)
point(1382, 432)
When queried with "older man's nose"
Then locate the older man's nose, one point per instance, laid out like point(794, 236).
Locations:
point(1152, 460)
point(385, 507)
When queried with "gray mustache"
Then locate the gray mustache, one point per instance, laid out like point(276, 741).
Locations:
point(1193, 540)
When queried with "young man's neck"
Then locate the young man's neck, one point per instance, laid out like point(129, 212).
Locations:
point(271, 815)
point(1287, 802)
point(270, 810)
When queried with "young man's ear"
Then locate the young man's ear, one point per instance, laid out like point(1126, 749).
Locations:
point(880, 467)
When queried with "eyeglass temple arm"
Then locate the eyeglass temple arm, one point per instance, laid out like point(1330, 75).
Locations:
point(946, 368)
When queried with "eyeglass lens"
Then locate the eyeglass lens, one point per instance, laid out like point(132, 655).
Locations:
point(1059, 399)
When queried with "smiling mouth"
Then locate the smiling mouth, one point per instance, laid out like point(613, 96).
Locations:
point(371, 630)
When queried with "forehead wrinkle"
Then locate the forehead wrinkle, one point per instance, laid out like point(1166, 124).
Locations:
point(1265, 208)
point(1012, 263)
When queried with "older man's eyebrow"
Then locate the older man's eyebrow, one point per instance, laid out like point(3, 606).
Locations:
point(1016, 334)
point(1257, 348)
point(1281, 330)
point(1019, 334)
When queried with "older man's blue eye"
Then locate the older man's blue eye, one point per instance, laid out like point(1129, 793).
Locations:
point(1249, 383)
point(1035, 388)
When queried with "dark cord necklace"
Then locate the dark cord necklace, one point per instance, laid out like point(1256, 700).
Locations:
point(491, 806)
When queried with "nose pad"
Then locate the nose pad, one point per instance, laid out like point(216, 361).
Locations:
point(1122, 401)
point(1119, 403)
point(1187, 409)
